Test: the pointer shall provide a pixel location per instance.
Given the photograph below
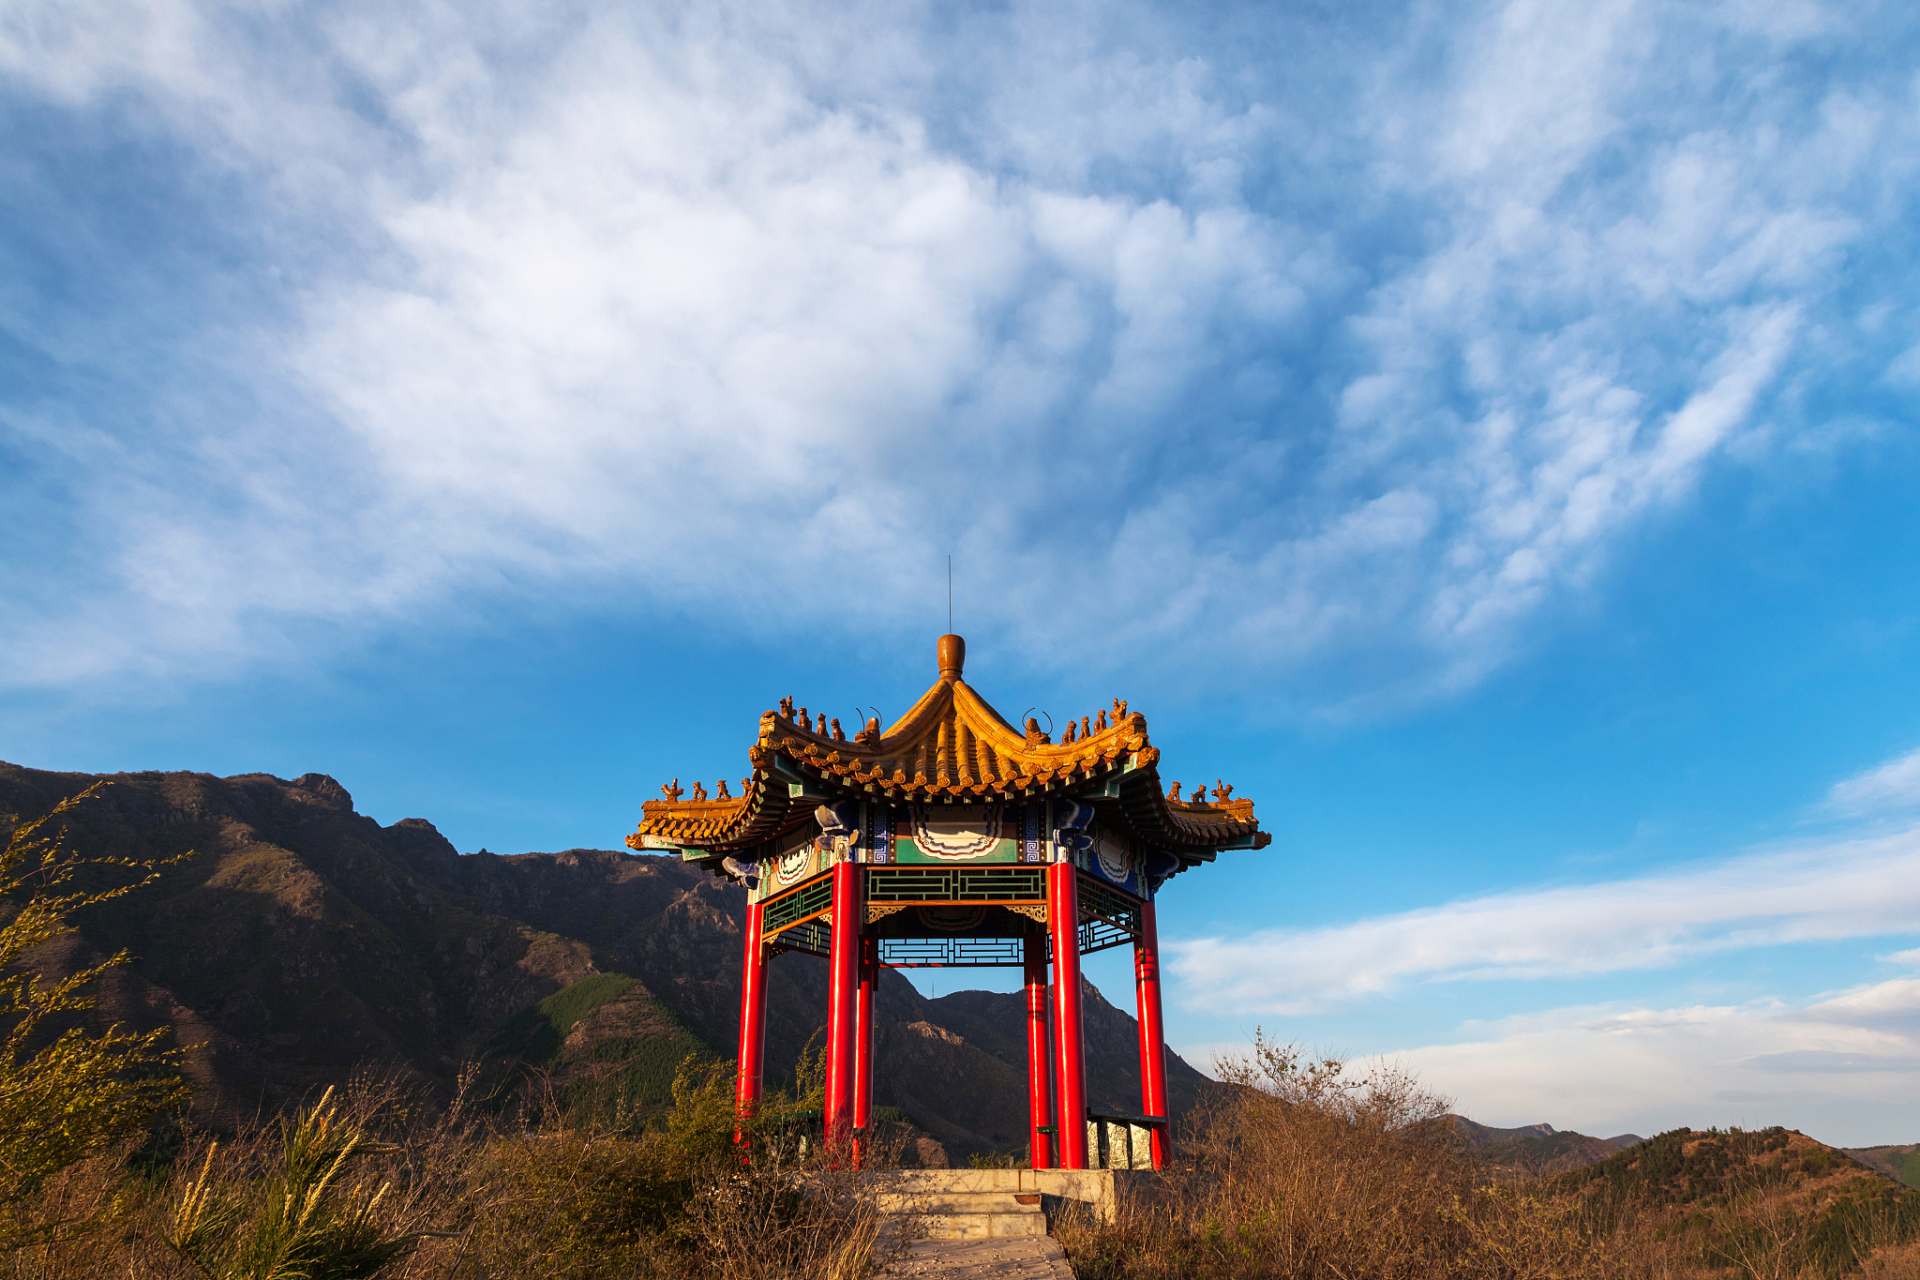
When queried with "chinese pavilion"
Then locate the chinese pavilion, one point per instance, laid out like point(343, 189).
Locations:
point(954, 839)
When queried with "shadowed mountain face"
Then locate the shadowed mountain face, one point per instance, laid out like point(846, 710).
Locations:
point(303, 939)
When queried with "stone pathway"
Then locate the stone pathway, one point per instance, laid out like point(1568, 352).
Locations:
point(1028, 1258)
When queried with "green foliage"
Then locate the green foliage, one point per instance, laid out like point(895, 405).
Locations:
point(568, 1006)
point(535, 1035)
point(700, 1134)
point(67, 1091)
point(570, 1202)
point(618, 1080)
point(640, 1083)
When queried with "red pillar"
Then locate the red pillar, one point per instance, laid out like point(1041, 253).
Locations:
point(1039, 1100)
point(863, 1043)
point(1153, 1048)
point(843, 980)
point(753, 1020)
point(1070, 1072)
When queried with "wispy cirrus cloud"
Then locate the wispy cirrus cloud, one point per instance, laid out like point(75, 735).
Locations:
point(1847, 889)
point(1886, 788)
point(1369, 351)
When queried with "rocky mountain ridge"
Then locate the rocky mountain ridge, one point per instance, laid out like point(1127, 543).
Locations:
point(303, 939)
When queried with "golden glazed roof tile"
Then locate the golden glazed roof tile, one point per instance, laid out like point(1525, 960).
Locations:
point(950, 746)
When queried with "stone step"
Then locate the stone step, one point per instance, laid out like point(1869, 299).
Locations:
point(1009, 1180)
point(1018, 1258)
point(984, 1226)
point(935, 1202)
point(1095, 1191)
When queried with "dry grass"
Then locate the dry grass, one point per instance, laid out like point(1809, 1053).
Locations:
point(1896, 1262)
point(373, 1182)
point(1307, 1173)
point(1300, 1171)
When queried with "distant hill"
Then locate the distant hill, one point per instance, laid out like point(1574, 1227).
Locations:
point(1537, 1150)
point(304, 939)
point(1899, 1162)
point(1766, 1202)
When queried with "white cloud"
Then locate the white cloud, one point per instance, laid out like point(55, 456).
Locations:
point(1885, 788)
point(1850, 889)
point(683, 307)
point(1845, 1069)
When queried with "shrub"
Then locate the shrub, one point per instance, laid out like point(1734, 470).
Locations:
point(370, 1181)
point(1301, 1169)
point(67, 1091)
point(309, 1219)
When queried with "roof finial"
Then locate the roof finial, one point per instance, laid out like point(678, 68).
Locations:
point(952, 653)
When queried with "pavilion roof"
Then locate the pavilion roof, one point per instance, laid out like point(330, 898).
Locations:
point(951, 747)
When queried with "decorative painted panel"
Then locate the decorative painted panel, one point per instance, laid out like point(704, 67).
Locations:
point(837, 835)
point(1111, 857)
point(879, 833)
point(957, 833)
point(795, 865)
point(1031, 813)
point(792, 861)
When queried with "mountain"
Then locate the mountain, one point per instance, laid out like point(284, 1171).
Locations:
point(1538, 1150)
point(1901, 1162)
point(303, 939)
point(1480, 1136)
point(1766, 1202)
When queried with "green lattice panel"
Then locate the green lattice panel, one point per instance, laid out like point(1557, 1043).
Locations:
point(814, 896)
point(815, 937)
point(951, 953)
point(956, 884)
point(1107, 916)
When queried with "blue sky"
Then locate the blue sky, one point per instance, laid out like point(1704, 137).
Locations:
point(1482, 433)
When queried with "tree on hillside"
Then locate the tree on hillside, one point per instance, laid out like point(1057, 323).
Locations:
point(67, 1090)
